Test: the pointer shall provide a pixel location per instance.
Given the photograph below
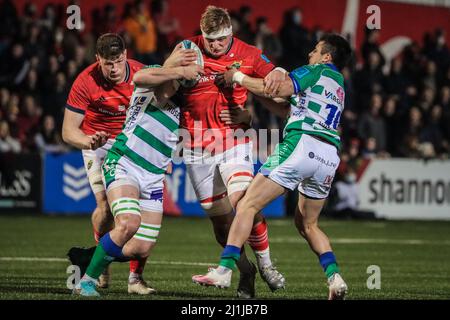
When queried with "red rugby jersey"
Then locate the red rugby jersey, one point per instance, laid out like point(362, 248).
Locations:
point(103, 104)
point(206, 100)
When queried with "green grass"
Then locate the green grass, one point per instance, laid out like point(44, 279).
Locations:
point(409, 269)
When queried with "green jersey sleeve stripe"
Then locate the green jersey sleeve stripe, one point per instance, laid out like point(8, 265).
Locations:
point(164, 119)
point(152, 141)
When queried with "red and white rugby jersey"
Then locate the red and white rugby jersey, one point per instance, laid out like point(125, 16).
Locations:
point(206, 100)
point(103, 104)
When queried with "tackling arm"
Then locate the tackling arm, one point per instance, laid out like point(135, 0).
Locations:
point(72, 134)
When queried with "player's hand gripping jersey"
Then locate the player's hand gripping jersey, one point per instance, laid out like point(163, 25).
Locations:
point(318, 102)
point(103, 104)
point(207, 99)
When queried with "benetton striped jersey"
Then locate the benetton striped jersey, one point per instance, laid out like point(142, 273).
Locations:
point(150, 132)
point(318, 102)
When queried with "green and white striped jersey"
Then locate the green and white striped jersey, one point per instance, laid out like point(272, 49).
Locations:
point(318, 101)
point(150, 132)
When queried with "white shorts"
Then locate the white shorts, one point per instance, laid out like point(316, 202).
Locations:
point(304, 162)
point(119, 170)
point(93, 160)
point(209, 175)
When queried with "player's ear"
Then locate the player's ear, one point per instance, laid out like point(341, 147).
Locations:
point(97, 57)
point(125, 53)
point(327, 58)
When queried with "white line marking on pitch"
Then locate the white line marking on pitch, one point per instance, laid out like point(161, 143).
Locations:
point(37, 259)
point(364, 241)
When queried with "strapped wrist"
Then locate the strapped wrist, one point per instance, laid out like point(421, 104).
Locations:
point(238, 77)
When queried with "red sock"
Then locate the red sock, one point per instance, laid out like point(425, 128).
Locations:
point(137, 266)
point(259, 240)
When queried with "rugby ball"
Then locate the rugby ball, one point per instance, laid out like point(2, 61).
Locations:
point(187, 44)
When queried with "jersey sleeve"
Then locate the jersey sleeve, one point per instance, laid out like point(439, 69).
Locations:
point(303, 78)
point(79, 98)
point(261, 65)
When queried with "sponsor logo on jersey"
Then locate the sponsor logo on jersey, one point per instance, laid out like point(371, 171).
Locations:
point(207, 78)
point(332, 96)
point(340, 93)
point(121, 107)
point(236, 64)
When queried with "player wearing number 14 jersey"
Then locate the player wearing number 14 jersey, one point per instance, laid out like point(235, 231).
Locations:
point(306, 160)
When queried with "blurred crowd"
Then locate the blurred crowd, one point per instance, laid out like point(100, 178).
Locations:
point(398, 108)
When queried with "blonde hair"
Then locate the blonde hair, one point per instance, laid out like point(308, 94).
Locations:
point(214, 19)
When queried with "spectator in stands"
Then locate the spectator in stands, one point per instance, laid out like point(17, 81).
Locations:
point(295, 40)
point(393, 122)
point(266, 40)
point(168, 27)
point(370, 45)
point(372, 125)
point(48, 138)
point(7, 142)
point(369, 79)
point(396, 81)
point(245, 32)
point(141, 28)
point(434, 131)
point(344, 198)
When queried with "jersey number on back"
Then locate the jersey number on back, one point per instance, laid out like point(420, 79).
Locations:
point(333, 117)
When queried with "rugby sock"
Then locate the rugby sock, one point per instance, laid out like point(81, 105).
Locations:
point(137, 266)
point(328, 262)
point(230, 255)
point(105, 253)
point(259, 242)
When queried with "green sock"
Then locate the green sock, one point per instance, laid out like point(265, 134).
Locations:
point(331, 269)
point(229, 261)
point(99, 262)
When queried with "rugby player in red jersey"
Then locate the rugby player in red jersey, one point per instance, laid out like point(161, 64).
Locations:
point(220, 165)
point(94, 115)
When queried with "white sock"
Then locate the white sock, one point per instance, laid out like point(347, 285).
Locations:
point(263, 258)
point(87, 278)
point(222, 270)
point(133, 277)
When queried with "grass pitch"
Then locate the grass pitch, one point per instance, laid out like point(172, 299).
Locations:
point(413, 257)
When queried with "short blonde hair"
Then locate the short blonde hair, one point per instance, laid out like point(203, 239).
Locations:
point(214, 19)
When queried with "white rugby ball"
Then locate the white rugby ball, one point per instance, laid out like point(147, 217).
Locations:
point(187, 44)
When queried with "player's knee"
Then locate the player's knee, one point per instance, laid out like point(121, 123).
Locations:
point(217, 208)
point(128, 215)
point(128, 225)
point(238, 184)
point(148, 235)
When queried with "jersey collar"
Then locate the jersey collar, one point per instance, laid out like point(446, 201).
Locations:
point(332, 66)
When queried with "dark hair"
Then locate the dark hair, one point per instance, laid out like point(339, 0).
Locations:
point(338, 48)
point(110, 46)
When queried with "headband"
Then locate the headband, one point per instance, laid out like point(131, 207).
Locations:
point(218, 34)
